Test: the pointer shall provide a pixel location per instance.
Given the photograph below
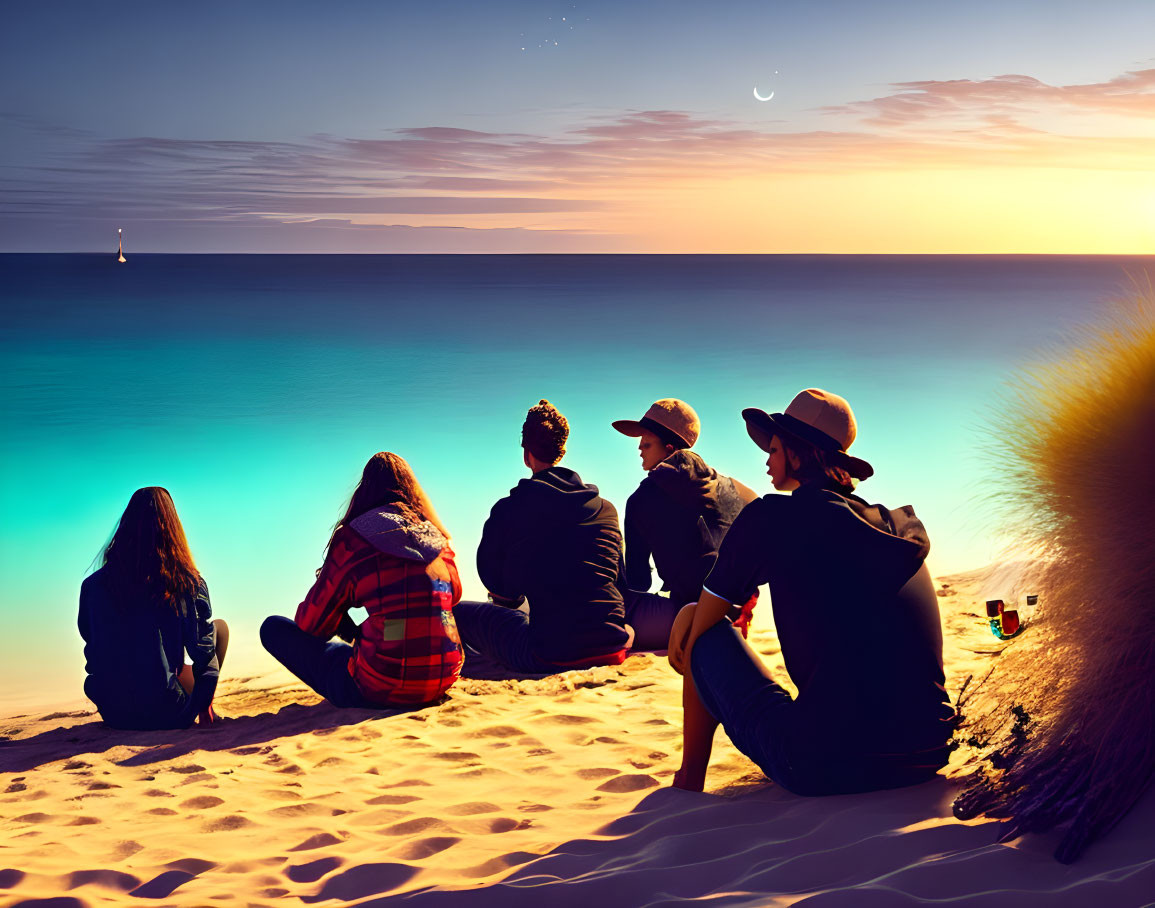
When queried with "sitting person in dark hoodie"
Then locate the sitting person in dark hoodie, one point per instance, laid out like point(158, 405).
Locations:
point(678, 515)
point(853, 600)
point(555, 544)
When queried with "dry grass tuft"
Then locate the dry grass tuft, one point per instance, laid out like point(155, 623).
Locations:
point(1077, 468)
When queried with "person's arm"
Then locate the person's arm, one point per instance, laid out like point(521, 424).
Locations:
point(639, 575)
point(331, 596)
point(448, 556)
point(693, 621)
point(200, 642)
point(492, 555)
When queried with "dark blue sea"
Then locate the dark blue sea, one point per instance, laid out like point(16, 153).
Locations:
point(255, 387)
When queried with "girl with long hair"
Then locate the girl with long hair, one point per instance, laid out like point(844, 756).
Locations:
point(389, 555)
point(139, 612)
point(856, 616)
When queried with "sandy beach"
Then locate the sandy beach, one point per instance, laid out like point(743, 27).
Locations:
point(508, 793)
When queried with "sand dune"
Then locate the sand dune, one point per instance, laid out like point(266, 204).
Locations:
point(509, 793)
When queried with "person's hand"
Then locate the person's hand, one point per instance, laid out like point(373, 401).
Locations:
point(680, 637)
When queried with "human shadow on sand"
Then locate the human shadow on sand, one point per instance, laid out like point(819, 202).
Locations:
point(94, 737)
point(758, 844)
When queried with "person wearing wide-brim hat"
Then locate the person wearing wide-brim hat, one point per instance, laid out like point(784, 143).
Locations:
point(678, 517)
point(856, 615)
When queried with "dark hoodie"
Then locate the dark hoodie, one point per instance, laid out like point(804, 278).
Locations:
point(678, 514)
point(852, 600)
point(133, 649)
point(555, 542)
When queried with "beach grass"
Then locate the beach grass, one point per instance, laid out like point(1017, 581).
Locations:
point(1073, 454)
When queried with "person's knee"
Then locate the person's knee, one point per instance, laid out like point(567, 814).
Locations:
point(273, 631)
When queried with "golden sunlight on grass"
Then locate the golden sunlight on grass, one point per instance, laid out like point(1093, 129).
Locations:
point(1075, 450)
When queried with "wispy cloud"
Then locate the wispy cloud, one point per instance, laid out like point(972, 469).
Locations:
point(1131, 94)
point(580, 182)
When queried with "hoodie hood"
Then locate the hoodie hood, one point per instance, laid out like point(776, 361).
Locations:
point(558, 495)
point(389, 532)
point(686, 478)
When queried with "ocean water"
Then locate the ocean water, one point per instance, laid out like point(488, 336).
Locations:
point(255, 387)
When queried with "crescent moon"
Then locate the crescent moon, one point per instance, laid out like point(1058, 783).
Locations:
point(759, 97)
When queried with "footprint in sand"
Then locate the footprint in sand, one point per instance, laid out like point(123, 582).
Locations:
point(10, 877)
point(471, 808)
point(567, 719)
point(498, 864)
point(281, 794)
point(17, 785)
point(320, 840)
point(457, 756)
point(108, 879)
point(204, 802)
point(227, 824)
point(412, 827)
point(362, 881)
point(126, 850)
point(423, 848)
point(494, 825)
point(313, 870)
point(33, 818)
point(534, 808)
point(496, 731)
point(101, 786)
point(192, 767)
point(629, 782)
point(162, 812)
point(306, 809)
point(392, 799)
point(76, 764)
point(85, 821)
point(596, 773)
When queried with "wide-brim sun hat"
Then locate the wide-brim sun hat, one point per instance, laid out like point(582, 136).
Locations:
point(817, 417)
point(668, 416)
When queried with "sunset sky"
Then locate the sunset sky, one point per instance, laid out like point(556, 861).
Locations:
point(579, 127)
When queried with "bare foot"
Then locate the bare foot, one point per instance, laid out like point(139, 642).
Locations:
point(208, 717)
point(682, 780)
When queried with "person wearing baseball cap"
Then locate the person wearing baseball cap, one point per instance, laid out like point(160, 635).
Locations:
point(678, 516)
point(856, 615)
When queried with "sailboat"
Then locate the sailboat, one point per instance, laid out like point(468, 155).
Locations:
point(120, 245)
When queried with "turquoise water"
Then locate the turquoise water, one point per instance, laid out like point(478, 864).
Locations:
point(255, 387)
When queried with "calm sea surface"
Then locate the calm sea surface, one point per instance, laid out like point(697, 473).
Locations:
point(255, 387)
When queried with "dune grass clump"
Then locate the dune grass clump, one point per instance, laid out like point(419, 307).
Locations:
point(1076, 470)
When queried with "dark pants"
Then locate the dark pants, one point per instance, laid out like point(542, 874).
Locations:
point(502, 635)
point(803, 750)
point(651, 615)
point(321, 665)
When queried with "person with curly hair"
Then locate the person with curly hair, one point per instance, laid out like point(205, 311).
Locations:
point(550, 554)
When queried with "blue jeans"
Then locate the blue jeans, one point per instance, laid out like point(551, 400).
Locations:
point(806, 751)
point(322, 666)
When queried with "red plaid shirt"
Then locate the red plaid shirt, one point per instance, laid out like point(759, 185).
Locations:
point(408, 651)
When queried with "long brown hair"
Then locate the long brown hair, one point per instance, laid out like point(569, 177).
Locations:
point(148, 552)
point(388, 480)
